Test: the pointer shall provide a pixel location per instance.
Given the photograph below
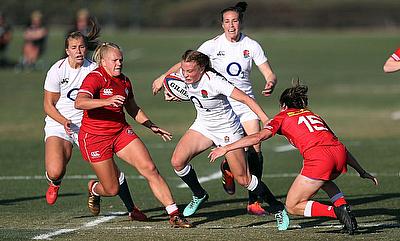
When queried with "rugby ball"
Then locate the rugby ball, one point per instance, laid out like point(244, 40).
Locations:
point(175, 85)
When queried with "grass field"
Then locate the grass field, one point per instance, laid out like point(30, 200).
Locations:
point(347, 87)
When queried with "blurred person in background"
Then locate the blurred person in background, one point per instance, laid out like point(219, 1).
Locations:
point(35, 36)
point(232, 54)
point(5, 39)
point(103, 95)
point(392, 64)
point(325, 158)
point(81, 22)
point(63, 121)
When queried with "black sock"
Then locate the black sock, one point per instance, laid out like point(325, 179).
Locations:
point(125, 196)
point(255, 160)
point(191, 180)
point(263, 191)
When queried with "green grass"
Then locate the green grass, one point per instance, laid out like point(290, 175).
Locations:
point(347, 87)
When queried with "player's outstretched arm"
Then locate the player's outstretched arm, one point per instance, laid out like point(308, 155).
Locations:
point(351, 160)
point(391, 65)
point(244, 142)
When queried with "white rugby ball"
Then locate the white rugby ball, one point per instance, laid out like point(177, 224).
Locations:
point(175, 85)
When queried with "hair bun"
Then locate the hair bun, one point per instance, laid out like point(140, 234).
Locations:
point(241, 6)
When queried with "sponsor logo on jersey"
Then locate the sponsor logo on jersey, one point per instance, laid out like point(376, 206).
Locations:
point(126, 91)
point(204, 94)
point(246, 54)
point(64, 81)
point(221, 53)
point(95, 154)
point(108, 91)
point(130, 131)
point(226, 139)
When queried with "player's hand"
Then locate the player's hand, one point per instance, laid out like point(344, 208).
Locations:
point(67, 127)
point(169, 97)
point(369, 176)
point(116, 101)
point(216, 152)
point(157, 84)
point(269, 88)
point(165, 135)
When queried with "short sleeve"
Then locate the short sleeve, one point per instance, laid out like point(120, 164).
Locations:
point(222, 86)
point(91, 84)
point(259, 55)
point(52, 81)
point(275, 124)
point(207, 47)
point(396, 55)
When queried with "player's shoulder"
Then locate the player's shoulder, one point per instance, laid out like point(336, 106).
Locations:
point(89, 64)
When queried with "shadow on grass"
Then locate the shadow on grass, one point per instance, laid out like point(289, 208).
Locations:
point(24, 199)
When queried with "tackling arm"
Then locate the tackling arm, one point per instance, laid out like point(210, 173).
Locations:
point(391, 65)
point(351, 160)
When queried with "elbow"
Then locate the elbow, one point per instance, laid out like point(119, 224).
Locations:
point(386, 69)
point(78, 105)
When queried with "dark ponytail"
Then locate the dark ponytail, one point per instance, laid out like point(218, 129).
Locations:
point(91, 41)
point(295, 97)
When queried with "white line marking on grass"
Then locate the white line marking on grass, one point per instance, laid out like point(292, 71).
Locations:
point(48, 236)
point(213, 176)
point(284, 148)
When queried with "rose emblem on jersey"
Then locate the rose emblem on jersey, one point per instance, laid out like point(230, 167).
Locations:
point(246, 54)
point(226, 139)
point(204, 94)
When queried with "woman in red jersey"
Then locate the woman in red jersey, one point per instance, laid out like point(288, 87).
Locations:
point(325, 158)
point(103, 95)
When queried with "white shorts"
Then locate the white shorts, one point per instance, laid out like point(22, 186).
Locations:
point(243, 111)
point(59, 131)
point(219, 138)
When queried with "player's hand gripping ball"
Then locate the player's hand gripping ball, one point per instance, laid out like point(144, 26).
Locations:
point(175, 85)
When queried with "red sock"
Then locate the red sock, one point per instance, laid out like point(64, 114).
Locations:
point(322, 210)
point(341, 201)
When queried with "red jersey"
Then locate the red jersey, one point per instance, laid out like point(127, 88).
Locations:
point(303, 129)
point(396, 55)
point(106, 120)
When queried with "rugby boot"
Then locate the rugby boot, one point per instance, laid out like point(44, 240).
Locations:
point(192, 207)
point(93, 200)
point(282, 220)
point(178, 221)
point(256, 209)
point(137, 215)
point(228, 182)
point(343, 213)
point(52, 194)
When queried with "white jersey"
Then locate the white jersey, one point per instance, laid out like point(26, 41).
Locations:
point(63, 79)
point(234, 59)
point(209, 96)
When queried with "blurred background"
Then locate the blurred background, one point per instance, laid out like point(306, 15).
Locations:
point(205, 13)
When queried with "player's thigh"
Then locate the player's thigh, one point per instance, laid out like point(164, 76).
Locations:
point(57, 152)
point(239, 166)
point(302, 189)
point(251, 127)
point(191, 144)
point(107, 172)
point(137, 155)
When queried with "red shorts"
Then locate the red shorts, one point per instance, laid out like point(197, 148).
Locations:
point(96, 148)
point(324, 163)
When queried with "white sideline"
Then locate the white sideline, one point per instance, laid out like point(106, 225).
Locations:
point(48, 236)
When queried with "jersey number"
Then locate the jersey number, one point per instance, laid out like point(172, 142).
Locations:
point(312, 122)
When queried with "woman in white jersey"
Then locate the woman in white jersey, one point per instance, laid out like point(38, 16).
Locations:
point(63, 121)
point(216, 124)
point(232, 54)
